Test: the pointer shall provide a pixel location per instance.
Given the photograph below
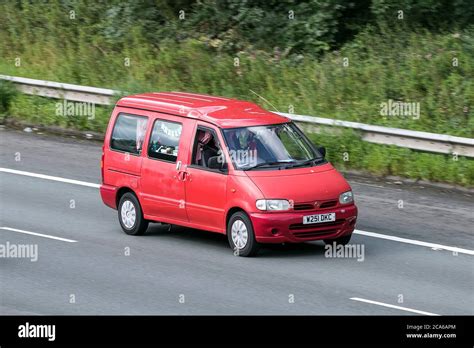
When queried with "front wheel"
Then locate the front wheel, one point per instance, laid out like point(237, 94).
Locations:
point(241, 236)
point(339, 241)
point(130, 215)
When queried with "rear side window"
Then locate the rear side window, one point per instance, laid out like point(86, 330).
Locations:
point(129, 133)
point(164, 141)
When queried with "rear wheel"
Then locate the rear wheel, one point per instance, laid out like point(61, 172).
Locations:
point(241, 236)
point(339, 241)
point(130, 215)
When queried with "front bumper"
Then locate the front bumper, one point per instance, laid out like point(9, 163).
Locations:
point(287, 227)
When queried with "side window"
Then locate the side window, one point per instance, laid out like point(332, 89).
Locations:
point(164, 140)
point(129, 133)
point(206, 145)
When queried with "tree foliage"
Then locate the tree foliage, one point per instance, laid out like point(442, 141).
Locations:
point(288, 26)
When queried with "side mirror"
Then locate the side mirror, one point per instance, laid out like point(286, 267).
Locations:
point(216, 162)
point(322, 150)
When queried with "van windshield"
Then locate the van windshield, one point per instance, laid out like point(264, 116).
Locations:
point(280, 145)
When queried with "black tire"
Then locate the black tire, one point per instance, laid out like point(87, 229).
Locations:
point(140, 225)
point(339, 241)
point(251, 247)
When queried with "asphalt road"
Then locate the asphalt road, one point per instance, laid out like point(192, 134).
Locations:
point(183, 271)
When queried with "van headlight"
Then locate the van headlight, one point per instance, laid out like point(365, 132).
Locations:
point(272, 204)
point(346, 197)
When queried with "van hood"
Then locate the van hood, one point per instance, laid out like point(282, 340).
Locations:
point(305, 184)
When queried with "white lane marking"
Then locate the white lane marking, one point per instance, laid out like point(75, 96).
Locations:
point(365, 233)
point(38, 234)
point(415, 242)
point(392, 306)
point(49, 177)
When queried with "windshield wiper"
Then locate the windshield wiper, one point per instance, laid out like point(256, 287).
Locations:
point(311, 161)
point(266, 164)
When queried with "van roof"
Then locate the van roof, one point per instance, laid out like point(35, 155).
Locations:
point(221, 111)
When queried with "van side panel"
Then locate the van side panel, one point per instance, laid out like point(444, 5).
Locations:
point(205, 189)
point(121, 169)
point(162, 192)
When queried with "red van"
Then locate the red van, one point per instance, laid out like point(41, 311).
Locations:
point(221, 165)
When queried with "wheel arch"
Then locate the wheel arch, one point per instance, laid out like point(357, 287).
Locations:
point(232, 211)
point(121, 191)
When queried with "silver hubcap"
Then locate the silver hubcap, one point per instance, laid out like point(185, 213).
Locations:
point(128, 214)
point(240, 234)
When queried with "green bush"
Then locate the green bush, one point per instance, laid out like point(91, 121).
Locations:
point(414, 67)
point(7, 94)
point(239, 48)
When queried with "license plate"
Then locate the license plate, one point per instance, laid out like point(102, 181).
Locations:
point(319, 218)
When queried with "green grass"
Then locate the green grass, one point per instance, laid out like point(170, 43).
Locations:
point(386, 63)
point(43, 112)
point(415, 67)
point(8, 93)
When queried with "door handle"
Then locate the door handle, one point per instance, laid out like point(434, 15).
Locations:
point(181, 175)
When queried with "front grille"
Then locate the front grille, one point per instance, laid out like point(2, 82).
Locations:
point(311, 206)
point(315, 233)
point(315, 230)
point(303, 206)
point(328, 204)
point(312, 227)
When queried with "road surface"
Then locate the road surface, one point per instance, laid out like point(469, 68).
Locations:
point(87, 265)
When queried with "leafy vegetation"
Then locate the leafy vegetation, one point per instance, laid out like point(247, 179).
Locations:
point(330, 58)
point(7, 94)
